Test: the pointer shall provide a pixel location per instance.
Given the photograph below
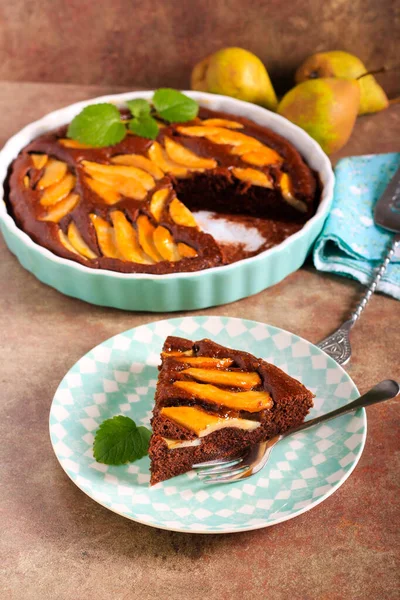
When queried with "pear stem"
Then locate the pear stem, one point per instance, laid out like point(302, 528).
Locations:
point(395, 100)
point(383, 69)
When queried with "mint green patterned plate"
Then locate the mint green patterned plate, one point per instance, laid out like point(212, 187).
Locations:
point(119, 377)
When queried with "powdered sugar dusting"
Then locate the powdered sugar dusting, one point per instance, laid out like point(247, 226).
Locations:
point(229, 232)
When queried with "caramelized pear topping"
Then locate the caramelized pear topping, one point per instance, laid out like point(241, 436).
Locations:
point(115, 173)
point(203, 423)
point(165, 244)
point(263, 157)
point(126, 240)
point(177, 353)
point(105, 237)
point(130, 188)
point(74, 144)
point(222, 123)
point(175, 444)
point(148, 242)
point(78, 243)
point(136, 160)
point(253, 177)
point(39, 160)
point(26, 181)
point(106, 192)
point(74, 243)
point(249, 401)
point(57, 192)
point(110, 185)
point(187, 158)
point(55, 171)
point(186, 251)
point(158, 156)
point(180, 214)
point(61, 209)
point(286, 189)
point(230, 378)
point(204, 361)
point(285, 185)
point(198, 130)
point(219, 135)
point(244, 149)
point(157, 203)
point(195, 419)
point(66, 243)
point(234, 138)
point(146, 232)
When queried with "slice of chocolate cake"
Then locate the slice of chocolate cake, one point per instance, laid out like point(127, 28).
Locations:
point(212, 402)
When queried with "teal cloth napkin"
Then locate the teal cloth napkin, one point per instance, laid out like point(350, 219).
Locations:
point(350, 243)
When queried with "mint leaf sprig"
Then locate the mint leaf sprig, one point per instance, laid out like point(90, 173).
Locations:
point(118, 441)
point(101, 125)
point(96, 125)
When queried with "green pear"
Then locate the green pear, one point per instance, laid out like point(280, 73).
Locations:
point(326, 108)
point(342, 64)
point(235, 72)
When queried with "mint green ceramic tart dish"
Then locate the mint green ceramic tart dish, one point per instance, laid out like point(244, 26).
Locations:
point(176, 291)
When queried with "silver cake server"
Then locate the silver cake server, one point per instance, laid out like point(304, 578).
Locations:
point(387, 216)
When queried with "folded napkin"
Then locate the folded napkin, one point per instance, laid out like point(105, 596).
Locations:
point(350, 243)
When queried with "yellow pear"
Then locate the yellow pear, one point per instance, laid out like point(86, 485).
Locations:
point(235, 72)
point(342, 64)
point(326, 108)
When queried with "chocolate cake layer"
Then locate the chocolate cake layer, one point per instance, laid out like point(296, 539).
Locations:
point(213, 402)
point(99, 207)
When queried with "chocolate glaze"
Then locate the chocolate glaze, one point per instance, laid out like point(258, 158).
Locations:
point(214, 190)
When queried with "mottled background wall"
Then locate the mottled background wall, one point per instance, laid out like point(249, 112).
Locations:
point(149, 44)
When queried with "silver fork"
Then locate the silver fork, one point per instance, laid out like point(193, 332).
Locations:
point(256, 457)
point(387, 216)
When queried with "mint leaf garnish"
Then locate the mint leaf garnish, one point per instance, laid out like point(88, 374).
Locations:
point(173, 106)
point(118, 440)
point(138, 107)
point(97, 125)
point(101, 124)
point(145, 126)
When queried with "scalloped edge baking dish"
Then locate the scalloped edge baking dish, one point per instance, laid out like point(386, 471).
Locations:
point(174, 291)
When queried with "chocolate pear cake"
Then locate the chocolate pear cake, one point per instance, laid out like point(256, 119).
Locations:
point(129, 207)
point(213, 402)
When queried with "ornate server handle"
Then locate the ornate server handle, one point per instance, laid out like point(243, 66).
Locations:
point(378, 276)
point(337, 345)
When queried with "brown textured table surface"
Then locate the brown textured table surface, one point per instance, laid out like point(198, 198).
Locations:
point(57, 544)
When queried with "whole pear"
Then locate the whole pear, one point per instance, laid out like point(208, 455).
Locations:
point(326, 108)
point(235, 72)
point(342, 64)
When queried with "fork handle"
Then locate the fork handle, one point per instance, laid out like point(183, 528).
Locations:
point(373, 285)
point(385, 390)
